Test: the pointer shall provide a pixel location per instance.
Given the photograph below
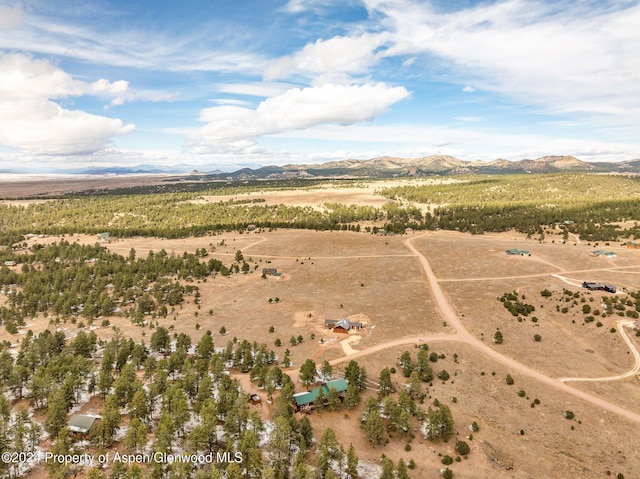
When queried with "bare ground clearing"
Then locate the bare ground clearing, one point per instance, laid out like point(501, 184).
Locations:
point(316, 196)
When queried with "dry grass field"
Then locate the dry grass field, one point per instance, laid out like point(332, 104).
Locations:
point(330, 275)
point(586, 447)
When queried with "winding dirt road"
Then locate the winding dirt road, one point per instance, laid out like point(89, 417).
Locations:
point(464, 336)
point(636, 355)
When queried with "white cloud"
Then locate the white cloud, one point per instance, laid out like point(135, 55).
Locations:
point(128, 47)
point(264, 89)
point(468, 118)
point(409, 61)
point(105, 86)
point(337, 55)
point(298, 109)
point(300, 6)
point(468, 89)
point(31, 121)
point(10, 17)
point(580, 58)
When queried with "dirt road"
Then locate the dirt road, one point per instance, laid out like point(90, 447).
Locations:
point(634, 351)
point(464, 336)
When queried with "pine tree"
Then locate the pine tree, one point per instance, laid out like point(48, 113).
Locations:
point(423, 367)
point(352, 396)
point(401, 471)
point(279, 447)
point(103, 433)
point(308, 372)
point(386, 386)
point(205, 347)
point(414, 384)
point(352, 463)
point(405, 363)
point(56, 413)
point(326, 370)
point(387, 468)
point(306, 432)
point(248, 446)
point(374, 430)
point(136, 437)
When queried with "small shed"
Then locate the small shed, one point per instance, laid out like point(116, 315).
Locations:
point(82, 423)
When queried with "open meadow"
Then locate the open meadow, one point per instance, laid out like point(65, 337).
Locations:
point(482, 315)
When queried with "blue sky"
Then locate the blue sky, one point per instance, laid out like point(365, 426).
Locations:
point(224, 84)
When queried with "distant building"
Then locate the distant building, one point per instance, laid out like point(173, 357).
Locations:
point(255, 399)
point(517, 252)
point(104, 237)
point(342, 325)
point(9, 263)
point(591, 286)
point(607, 254)
point(270, 272)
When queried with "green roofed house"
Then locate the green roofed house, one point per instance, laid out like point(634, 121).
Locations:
point(518, 252)
point(339, 385)
point(306, 398)
point(606, 254)
point(270, 272)
point(304, 401)
point(82, 423)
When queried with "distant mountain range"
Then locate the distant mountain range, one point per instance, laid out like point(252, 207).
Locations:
point(390, 167)
point(382, 167)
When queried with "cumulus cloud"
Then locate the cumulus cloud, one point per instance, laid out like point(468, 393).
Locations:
point(298, 109)
point(31, 121)
point(336, 55)
point(105, 86)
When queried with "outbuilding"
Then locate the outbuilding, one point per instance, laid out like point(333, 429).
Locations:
point(82, 423)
